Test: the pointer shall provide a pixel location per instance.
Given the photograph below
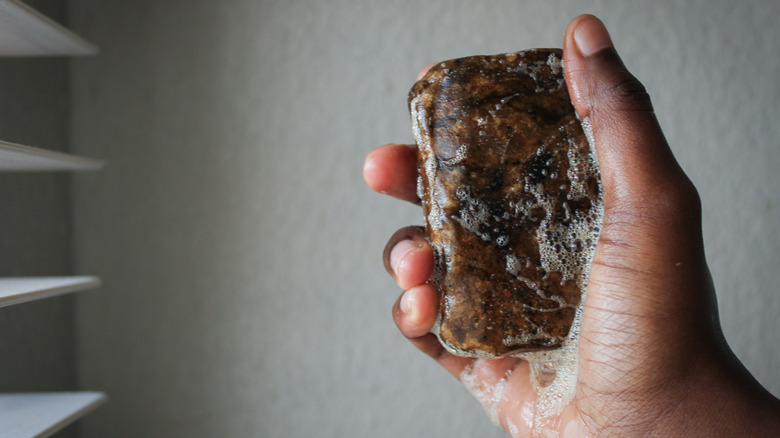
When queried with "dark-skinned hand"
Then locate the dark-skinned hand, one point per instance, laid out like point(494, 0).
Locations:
point(652, 358)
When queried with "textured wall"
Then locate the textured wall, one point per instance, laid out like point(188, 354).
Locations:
point(244, 293)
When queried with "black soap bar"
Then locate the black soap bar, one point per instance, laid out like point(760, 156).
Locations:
point(512, 200)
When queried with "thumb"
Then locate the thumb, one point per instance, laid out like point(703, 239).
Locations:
point(634, 155)
point(650, 254)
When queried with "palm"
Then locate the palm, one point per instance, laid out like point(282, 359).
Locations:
point(622, 355)
point(622, 358)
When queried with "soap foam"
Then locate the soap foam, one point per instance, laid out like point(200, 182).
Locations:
point(429, 164)
point(512, 428)
point(474, 213)
point(555, 64)
point(489, 396)
point(553, 396)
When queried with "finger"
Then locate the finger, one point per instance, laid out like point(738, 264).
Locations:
point(415, 314)
point(648, 200)
point(392, 170)
point(631, 147)
point(408, 257)
point(504, 389)
point(650, 259)
point(516, 410)
point(425, 70)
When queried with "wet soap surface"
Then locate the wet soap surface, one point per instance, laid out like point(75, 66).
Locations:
point(511, 197)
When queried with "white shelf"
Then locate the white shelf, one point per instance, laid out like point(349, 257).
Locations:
point(15, 158)
point(42, 414)
point(26, 32)
point(15, 290)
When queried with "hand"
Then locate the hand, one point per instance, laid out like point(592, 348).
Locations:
point(652, 358)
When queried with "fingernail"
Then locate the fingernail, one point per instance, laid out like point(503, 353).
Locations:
point(406, 302)
point(591, 36)
point(399, 253)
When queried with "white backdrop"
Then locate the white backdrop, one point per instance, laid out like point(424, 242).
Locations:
point(244, 291)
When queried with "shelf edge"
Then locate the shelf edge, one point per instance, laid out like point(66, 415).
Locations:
point(53, 39)
point(71, 284)
point(46, 160)
point(92, 399)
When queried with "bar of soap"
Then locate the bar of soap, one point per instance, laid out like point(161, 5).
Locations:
point(511, 195)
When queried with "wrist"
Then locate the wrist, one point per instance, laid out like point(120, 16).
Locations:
point(721, 399)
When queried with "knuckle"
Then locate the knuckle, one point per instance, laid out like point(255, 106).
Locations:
point(678, 198)
point(619, 226)
point(625, 93)
point(664, 195)
point(670, 206)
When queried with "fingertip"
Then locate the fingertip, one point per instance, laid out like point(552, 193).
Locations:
point(415, 311)
point(585, 36)
point(414, 234)
point(372, 170)
point(589, 34)
point(411, 262)
point(392, 170)
point(568, 34)
point(425, 70)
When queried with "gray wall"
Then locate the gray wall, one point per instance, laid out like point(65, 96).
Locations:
point(244, 293)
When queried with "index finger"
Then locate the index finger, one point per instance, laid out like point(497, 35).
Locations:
point(425, 70)
point(392, 170)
